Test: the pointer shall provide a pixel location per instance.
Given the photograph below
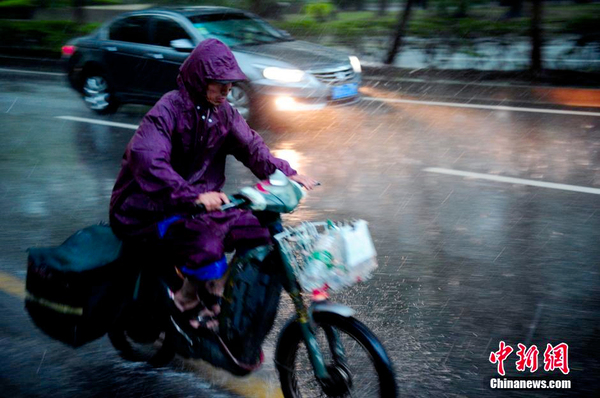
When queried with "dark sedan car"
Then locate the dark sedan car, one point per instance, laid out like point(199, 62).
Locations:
point(135, 58)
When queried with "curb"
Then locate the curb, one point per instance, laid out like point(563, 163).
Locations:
point(489, 87)
point(565, 88)
point(553, 78)
point(548, 78)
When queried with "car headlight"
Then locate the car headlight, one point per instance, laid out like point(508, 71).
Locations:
point(283, 75)
point(355, 64)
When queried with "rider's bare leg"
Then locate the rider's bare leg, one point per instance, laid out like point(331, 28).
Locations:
point(216, 287)
point(186, 298)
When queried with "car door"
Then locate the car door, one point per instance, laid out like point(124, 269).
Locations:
point(125, 53)
point(166, 60)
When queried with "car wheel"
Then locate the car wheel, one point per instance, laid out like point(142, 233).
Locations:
point(239, 98)
point(98, 95)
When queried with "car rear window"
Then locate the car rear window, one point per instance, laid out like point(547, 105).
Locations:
point(236, 29)
point(131, 29)
point(167, 30)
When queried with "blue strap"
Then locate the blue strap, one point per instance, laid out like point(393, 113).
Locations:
point(165, 224)
point(212, 271)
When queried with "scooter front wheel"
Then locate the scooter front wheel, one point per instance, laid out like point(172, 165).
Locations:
point(356, 361)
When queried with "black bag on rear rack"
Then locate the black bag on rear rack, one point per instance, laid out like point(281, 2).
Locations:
point(75, 290)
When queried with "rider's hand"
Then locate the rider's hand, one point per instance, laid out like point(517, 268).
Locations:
point(307, 182)
point(212, 200)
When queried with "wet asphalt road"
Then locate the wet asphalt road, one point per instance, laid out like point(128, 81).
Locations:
point(464, 262)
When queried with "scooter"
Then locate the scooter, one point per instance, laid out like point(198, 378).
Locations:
point(343, 358)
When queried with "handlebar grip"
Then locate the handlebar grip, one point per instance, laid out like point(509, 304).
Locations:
point(234, 202)
point(199, 208)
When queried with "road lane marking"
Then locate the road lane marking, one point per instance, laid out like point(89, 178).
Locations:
point(488, 107)
point(511, 180)
point(98, 121)
point(32, 72)
point(12, 285)
point(250, 386)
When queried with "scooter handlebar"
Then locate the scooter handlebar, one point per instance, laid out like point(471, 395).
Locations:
point(259, 200)
point(234, 202)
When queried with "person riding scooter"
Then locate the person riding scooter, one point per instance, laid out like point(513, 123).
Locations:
point(176, 162)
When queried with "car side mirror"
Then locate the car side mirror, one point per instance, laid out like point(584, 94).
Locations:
point(183, 45)
point(285, 33)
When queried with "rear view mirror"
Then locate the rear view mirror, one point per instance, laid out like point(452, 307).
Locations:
point(285, 33)
point(183, 45)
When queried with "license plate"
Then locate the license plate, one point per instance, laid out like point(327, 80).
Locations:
point(343, 91)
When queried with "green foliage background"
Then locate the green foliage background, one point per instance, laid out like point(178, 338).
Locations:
point(315, 19)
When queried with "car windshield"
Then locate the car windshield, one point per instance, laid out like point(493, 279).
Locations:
point(237, 29)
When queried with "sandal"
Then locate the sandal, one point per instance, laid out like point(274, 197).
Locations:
point(210, 300)
point(182, 319)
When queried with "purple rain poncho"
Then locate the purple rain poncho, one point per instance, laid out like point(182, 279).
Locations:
point(179, 152)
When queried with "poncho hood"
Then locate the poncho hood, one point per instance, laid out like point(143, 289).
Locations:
point(210, 60)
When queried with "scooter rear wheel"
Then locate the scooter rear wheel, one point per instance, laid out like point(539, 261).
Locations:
point(141, 344)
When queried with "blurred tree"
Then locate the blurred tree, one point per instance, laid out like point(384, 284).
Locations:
point(266, 8)
point(79, 11)
point(320, 12)
point(382, 7)
point(357, 5)
point(515, 10)
point(396, 46)
point(422, 3)
point(463, 7)
point(459, 7)
point(256, 6)
point(536, 37)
